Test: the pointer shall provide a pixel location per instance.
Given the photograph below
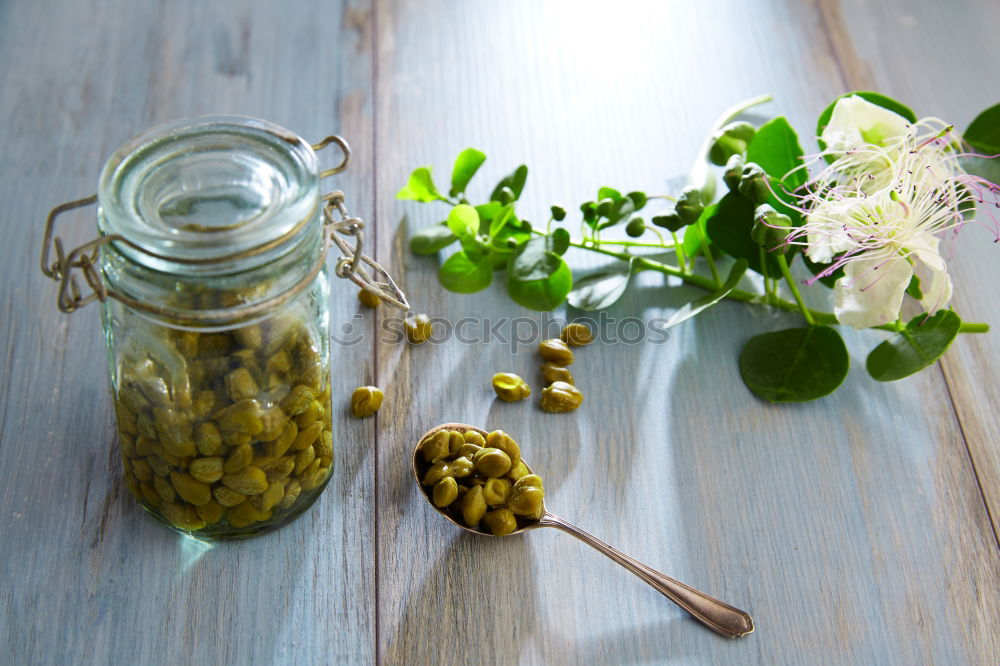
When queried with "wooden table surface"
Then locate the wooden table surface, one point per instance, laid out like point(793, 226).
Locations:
point(859, 529)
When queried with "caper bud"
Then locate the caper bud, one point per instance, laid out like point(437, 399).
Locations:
point(496, 491)
point(526, 500)
point(366, 400)
point(636, 227)
point(576, 334)
point(501, 522)
point(491, 462)
point(555, 373)
point(418, 329)
point(435, 447)
point(368, 299)
point(498, 439)
point(473, 437)
point(445, 492)
point(509, 387)
point(461, 467)
point(437, 472)
point(689, 205)
point(468, 450)
point(555, 351)
point(529, 481)
point(518, 471)
point(473, 506)
point(733, 173)
point(753, 184)
point(455, 441)
point(560, 397)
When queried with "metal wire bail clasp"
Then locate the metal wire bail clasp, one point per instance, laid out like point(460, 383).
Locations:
point(84, 258)
point(352, 263)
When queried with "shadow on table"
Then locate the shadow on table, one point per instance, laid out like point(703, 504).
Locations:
point(476, 577)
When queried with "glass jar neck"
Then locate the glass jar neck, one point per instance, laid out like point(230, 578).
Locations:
point(219, 214)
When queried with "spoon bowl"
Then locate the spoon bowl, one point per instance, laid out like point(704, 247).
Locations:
point(714, 614)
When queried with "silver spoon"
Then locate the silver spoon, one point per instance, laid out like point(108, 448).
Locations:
point(714, 614)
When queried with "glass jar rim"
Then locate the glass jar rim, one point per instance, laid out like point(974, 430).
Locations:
point(226, 189)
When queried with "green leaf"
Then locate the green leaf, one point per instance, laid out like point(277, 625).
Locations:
point(874, 98)
point(466, 165)
point(708, 300)
point(775, 147)
point(601, 290)
point(534, 261)
point(420, 187)
point(515, 181)
point(729, 228)
point(466, 274)
point(559, 241)
point(432, 239)
point(609, 193)
point(500, 220)
point(463, 220)
point(639, 199)
point(914, 348)
point(542, 294)
point(984, 132)
point(794, 365)
point(984, 167)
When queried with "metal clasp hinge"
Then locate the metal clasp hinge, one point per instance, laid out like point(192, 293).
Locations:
point(352, 262)
point(84, 258)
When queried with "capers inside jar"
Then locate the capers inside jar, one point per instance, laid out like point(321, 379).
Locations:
point(225, 434)
point(479, 481)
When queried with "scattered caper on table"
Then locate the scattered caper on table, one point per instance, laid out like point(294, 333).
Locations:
point(559, 397)
point(576, 334)
point(368, 299)
point(479, 481)
point(366, 400)
point(555, 351)
point(418, 329)
point(556, 373)
point(510, 387)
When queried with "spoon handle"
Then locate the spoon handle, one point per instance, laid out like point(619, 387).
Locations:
point(714, 614)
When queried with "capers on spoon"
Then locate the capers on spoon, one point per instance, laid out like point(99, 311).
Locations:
point(714, 614)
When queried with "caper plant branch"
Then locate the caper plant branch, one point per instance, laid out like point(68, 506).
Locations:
point(783, 265)
point(813, 317)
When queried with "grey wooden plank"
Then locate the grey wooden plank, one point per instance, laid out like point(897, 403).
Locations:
point(88, 578)
point(973, 364)
point(852, 528)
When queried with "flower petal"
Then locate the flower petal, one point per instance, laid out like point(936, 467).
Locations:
point(856, 121)
point(932, 272)
point(827, 236)
point(871, 291)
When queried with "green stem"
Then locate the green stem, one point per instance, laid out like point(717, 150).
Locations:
point(817, 316)
point(708, 254)
point(679, 250)
point(783, 265)
point(763, 271)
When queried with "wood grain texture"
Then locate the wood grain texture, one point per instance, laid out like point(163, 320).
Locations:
point(87, 577)
point(852, 528)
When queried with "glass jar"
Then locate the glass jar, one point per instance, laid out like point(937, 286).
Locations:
point(210, 266)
